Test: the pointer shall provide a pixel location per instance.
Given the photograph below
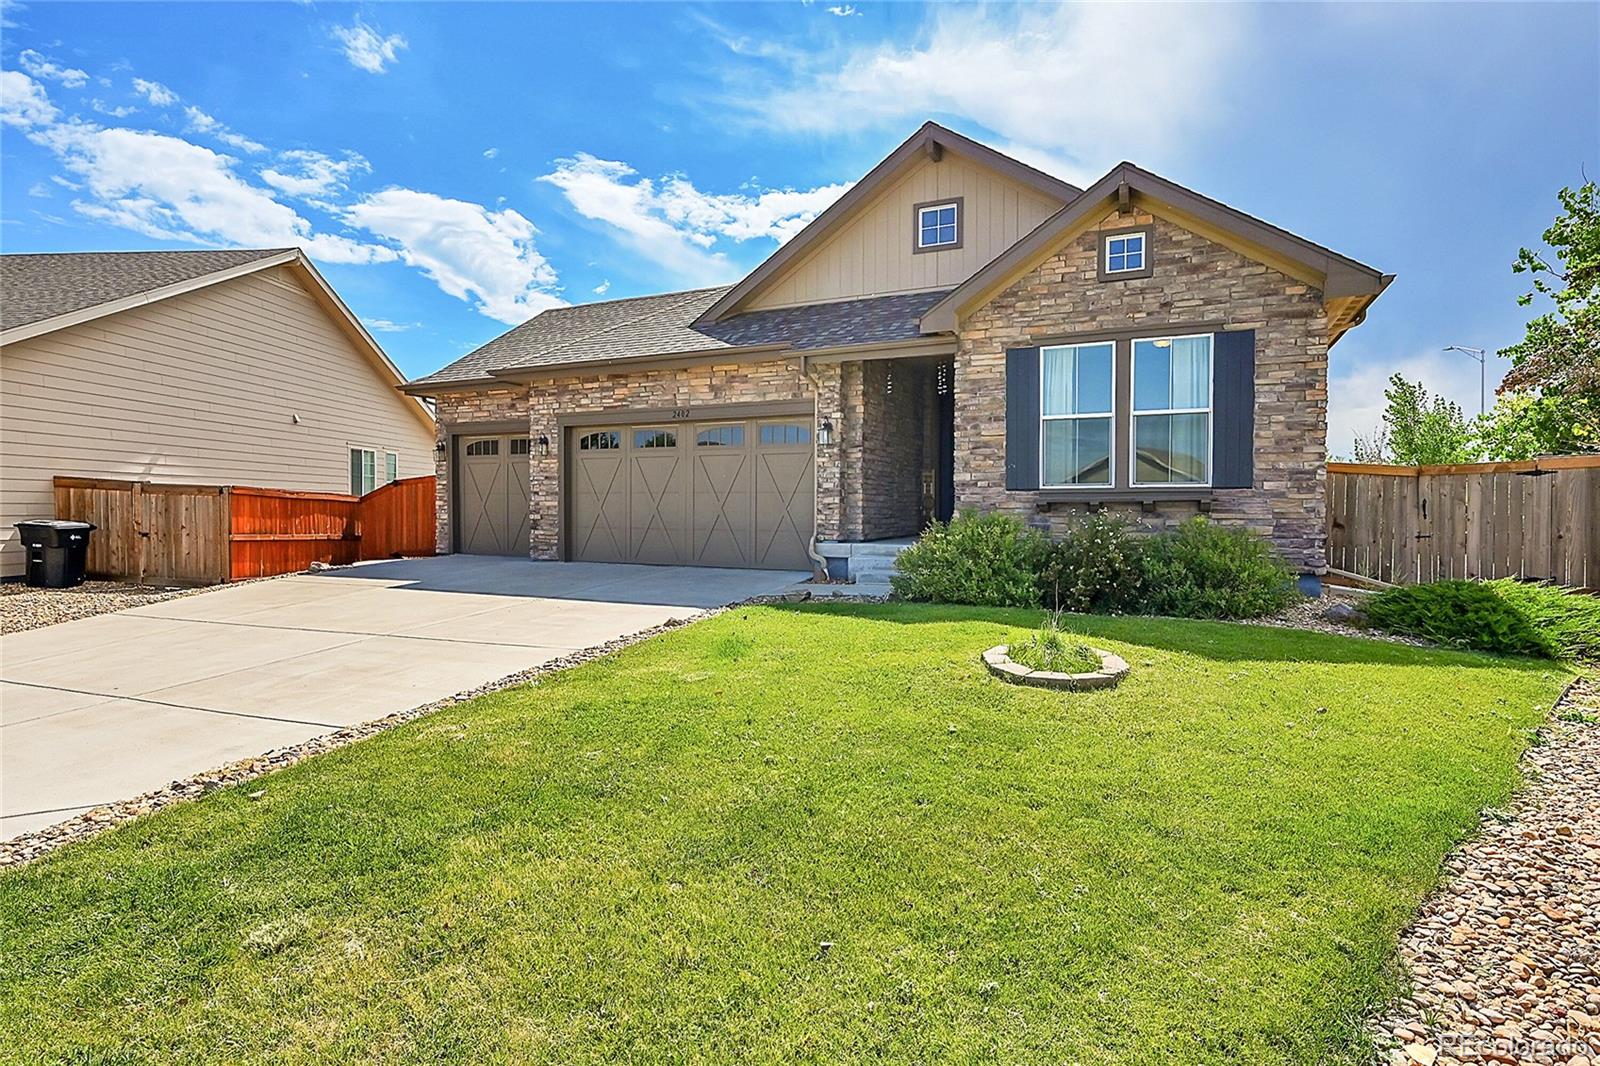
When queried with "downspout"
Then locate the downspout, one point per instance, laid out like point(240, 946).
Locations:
point(819, 565)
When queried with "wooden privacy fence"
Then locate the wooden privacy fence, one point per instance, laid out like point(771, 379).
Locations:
point(1405, 524)
point(206, 534)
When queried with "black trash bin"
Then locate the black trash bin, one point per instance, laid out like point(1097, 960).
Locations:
point(58, 552)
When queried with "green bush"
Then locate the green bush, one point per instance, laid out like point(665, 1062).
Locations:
point(988, 560)
point(1506, 616)
point(1049, 649)
point(1463, 614)
point(1203, 570)
point(1571, 620)
point(1094, 567)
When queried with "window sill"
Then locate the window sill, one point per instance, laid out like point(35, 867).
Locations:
point(1200, 494)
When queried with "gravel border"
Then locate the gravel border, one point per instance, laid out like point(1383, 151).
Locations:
point(24, 607)
point(1504, 957)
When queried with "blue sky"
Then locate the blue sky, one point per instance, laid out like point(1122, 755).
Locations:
point(454, 169)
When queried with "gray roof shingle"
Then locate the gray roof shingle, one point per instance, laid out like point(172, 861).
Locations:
point(620, 330)
point(37, 287)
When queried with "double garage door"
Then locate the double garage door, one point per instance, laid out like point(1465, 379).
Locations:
point(738, 493)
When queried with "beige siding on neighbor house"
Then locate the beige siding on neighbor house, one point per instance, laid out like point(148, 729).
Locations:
point(871, 254)
point(199, 388)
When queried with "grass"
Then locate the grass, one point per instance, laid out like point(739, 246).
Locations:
point(801, 833)
point(1046, 648)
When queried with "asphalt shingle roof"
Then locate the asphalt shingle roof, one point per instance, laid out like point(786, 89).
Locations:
point(619, 330)
point(36, 287)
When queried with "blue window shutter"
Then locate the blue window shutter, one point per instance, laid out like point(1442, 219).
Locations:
point(1022, 418)
point(1233, 409)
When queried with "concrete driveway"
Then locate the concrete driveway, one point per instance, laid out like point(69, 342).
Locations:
point(106, 708)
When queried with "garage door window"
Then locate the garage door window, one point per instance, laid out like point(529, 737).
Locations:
point(785, 433)
point(484, 447)
point(654, 438)
point(720, 437)
point(519, 445)
point(600, 440)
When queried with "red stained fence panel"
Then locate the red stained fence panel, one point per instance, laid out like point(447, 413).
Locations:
point(204, 534)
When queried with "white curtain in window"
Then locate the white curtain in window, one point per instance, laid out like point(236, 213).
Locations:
point(1060, 381)
point(1191, 372)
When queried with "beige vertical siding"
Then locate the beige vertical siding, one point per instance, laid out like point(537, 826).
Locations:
point(200, 388)
point(871, 254)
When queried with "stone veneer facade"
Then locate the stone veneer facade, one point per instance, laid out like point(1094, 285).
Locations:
point(869, 480)
point(1194, 280)
point(541, 405)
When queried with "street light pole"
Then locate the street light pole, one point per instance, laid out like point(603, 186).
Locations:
point(1479, 354)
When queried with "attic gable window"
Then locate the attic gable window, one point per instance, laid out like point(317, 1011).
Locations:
point(1125, 254)
point(938, 225)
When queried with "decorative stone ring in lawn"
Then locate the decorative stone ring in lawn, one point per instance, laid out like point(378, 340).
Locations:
point(1112, 670)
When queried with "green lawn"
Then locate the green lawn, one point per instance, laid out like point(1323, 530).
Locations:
point(813, 833)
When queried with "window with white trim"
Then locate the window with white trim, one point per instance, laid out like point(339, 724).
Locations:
point(363, 471)
point(1076, 414)
point(1170, 436)
point(391, 467)
point(1125, 253)
point(938, 225)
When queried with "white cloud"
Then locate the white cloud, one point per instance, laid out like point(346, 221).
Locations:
point(312, 175)
point(155, 92)
point(115, 111)
point(40, 67)
point(674, 224)
point(366, 48)
point(1355, 390)
point(170, 189)
point(1044, 77)
point(490, 153)
point(484, 257)
point(40, 190)
point(384, 325)
point(200, 122)
point(603, 288)
point(844, 10)
point(23, 101)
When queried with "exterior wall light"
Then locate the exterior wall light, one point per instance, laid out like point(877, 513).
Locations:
point(544, 447)
point(440, 446)
point(825, 433)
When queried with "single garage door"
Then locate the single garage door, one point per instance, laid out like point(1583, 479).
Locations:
point(728, 493)
point(493, 501)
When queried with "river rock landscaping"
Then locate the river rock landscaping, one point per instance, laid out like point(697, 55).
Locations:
point(1504, 959)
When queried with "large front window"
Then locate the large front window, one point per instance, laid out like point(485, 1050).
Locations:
point(1172, 411)
point(1076, 409)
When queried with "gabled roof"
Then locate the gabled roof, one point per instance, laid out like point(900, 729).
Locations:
point(932, 140)
point(649, 328)
point(42, 293)
point(34, 289)
point(1348, 286)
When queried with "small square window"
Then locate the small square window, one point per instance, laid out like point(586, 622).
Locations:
point(1125, 253)
point(939, 225)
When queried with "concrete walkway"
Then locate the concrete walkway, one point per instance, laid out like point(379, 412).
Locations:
point(106, 708)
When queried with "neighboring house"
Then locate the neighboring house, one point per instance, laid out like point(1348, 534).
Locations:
point(207, 367)
point(958, 330)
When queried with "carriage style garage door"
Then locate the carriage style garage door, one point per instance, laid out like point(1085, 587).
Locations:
point(493, 501)
point(726, 493)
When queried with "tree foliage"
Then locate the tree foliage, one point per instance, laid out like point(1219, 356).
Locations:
point(1418, 429)
point(1559, 358)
